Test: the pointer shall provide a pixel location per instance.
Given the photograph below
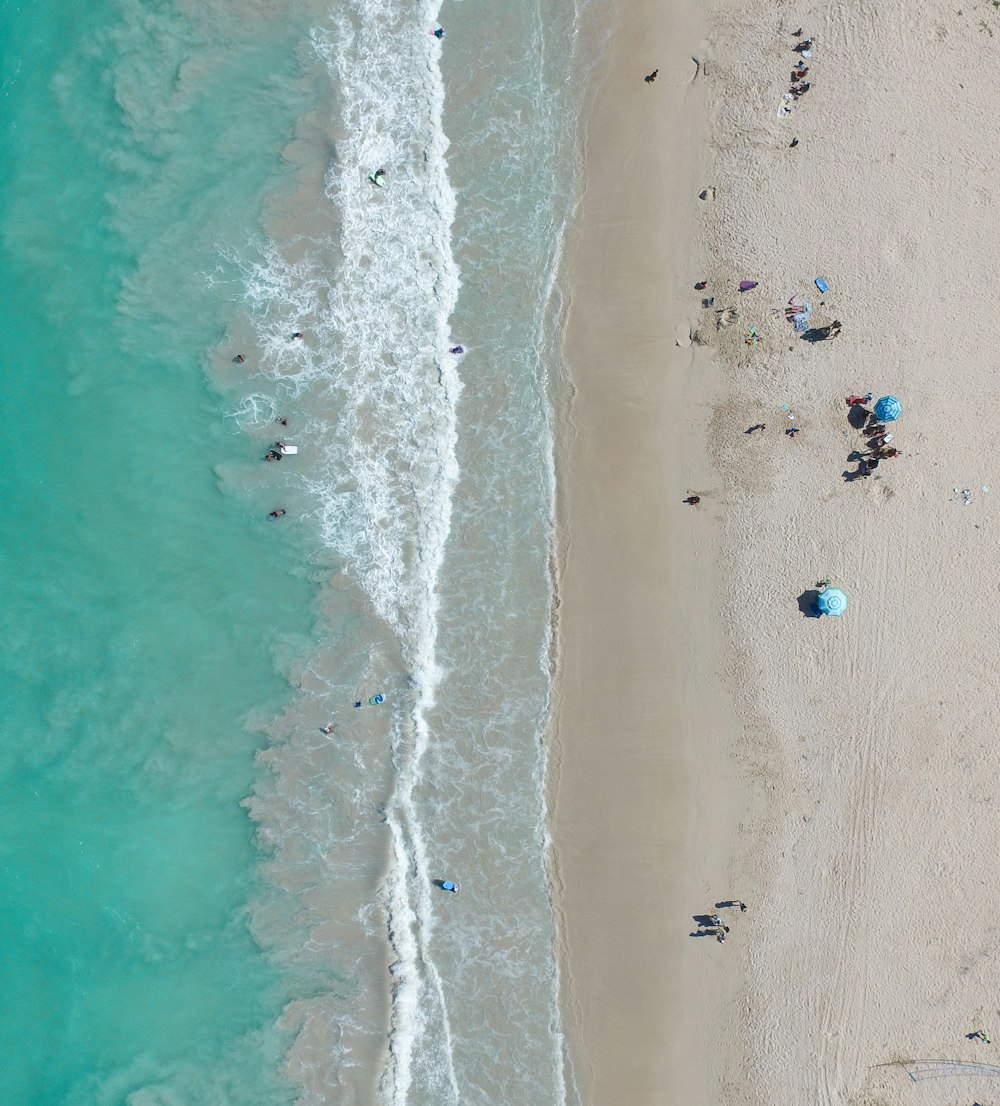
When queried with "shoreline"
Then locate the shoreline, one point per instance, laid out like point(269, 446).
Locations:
point(644, 799)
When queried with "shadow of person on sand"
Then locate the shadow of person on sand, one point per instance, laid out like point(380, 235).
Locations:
point(809, 603)
point(703, 933)
point(815, 334)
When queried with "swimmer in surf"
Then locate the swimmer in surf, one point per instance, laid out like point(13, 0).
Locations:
point(279, 513)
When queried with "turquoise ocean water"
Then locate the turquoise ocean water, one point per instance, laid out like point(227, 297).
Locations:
point(209, 901)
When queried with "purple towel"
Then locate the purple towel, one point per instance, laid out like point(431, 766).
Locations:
point(746, 285)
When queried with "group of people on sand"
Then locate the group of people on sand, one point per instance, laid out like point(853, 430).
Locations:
point(877, 438)
point(798, 85)
point(712, 924)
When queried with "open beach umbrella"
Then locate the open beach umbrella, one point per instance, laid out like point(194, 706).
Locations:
point(832, 601)
point(888, 409)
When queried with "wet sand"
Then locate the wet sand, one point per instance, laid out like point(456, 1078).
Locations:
point(644, 797)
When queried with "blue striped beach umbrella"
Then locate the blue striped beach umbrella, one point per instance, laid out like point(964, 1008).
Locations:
point(832, 601)
point(888, 409)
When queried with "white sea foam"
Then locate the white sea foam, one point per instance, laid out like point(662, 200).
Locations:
point(381, 468)
point(376, 336)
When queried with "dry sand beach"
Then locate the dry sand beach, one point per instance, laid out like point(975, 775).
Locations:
point(711, 741)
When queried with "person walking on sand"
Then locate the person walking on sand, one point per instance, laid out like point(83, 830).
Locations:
point(650, 77)
point(692, 500)
point(756, 426)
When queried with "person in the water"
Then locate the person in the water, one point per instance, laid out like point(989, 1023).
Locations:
point(278, 513)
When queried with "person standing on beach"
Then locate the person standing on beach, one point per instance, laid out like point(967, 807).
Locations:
point(650, 77)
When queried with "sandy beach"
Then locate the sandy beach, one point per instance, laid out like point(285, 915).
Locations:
point(712, 740)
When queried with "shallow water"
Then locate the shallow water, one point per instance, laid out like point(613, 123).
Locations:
point(186, 182)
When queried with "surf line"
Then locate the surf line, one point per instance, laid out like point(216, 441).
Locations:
point(420, 1034)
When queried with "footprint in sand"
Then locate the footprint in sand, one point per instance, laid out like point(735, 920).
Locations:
point(700, 67)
